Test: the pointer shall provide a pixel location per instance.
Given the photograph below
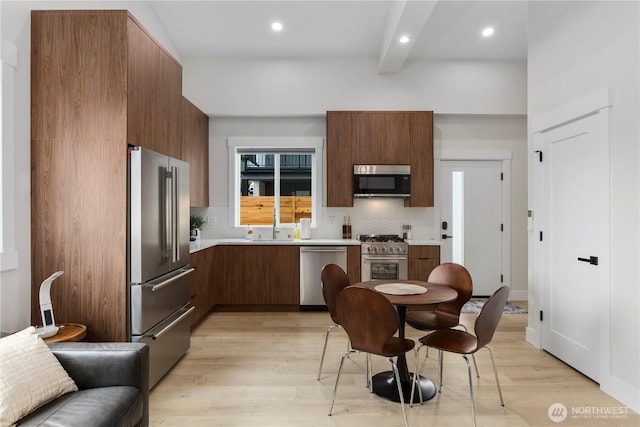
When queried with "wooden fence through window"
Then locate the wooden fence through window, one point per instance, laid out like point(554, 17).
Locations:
point(258, 210)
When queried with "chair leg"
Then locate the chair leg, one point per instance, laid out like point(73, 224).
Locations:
point(440, 362)
point(473, 356)
point(369, 374)
point(397, 375)
point(324, 349)
point(473, 404)
point(335, 389)
point(495, 373)
point(414, 381)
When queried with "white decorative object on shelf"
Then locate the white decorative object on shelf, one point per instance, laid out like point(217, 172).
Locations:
point(49, 327)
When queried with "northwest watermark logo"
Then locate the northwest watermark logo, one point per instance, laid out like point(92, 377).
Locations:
point(558, 412)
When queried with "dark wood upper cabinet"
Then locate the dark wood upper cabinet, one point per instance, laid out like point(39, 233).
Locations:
point(154, 94)
point(340, 143)
point(379, 138)
point(421, 161)
point(98, 82)
point(382, 138)
point(195, 151)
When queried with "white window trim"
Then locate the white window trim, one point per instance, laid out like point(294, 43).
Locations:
point(8, 65)
point(243, 143)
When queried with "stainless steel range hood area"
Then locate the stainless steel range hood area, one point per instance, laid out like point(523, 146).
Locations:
point(390, 181)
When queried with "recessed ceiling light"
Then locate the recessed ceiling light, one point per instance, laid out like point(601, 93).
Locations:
point(276, 26)
point(404, 39)
point(487, 31)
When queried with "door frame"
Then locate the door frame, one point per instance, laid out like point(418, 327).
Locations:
point(504, 156)
point(597, 102)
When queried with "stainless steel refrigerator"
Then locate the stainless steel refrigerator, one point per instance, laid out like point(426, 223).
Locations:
point(158, 257)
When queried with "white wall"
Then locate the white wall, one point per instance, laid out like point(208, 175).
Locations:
point(576, 48)
point(290, 87)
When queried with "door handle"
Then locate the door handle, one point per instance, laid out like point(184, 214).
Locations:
point(593, 260)
point(445, 237)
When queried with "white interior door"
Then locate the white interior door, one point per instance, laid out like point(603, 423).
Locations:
point(575, 241)
point(471, 220)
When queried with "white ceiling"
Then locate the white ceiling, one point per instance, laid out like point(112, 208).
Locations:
point(444, 29)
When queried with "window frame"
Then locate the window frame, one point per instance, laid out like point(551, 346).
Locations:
point(275, 145)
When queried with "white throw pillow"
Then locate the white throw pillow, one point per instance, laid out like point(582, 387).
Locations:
point(30, 375)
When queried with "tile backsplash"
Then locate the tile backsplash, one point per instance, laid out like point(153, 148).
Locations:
point(368, 216)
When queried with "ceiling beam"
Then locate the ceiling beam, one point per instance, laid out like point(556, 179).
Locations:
point(405, 18)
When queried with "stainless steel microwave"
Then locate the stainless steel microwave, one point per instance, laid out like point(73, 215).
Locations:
point(382, 181)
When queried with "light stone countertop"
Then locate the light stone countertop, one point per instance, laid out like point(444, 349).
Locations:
point(201, 244)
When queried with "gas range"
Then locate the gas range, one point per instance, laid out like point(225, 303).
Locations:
point(383, 244)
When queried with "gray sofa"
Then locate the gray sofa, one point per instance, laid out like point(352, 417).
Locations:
point(113, 383)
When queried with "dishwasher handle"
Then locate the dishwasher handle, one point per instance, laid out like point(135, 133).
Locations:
point(325, 249)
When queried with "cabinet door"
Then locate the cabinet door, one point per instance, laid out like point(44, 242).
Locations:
point(382, 137)
point(195, 151)
point(154, 94)
point(353, 263)
point(258, 274)
point(243, 275)
point(340, 140)
point(282, 274)
point(421, 125)
point(202, 290)
point(422, 260)
point(78, 168)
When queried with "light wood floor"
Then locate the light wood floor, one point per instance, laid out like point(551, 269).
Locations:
point(260, 369)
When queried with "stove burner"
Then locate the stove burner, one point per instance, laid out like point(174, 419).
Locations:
point(390, 238)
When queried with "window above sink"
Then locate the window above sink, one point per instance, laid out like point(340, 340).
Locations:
point(274, 177)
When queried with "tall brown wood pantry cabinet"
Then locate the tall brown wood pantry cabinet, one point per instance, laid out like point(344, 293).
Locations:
point(99, 81)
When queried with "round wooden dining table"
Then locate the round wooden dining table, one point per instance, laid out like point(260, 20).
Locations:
point(384, 383)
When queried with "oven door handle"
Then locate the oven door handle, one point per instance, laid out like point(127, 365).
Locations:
point(384, 258)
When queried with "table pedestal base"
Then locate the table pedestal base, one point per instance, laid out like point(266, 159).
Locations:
point(384, 385)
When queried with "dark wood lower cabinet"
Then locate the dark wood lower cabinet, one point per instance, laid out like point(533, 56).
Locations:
point(422, 260)
point(257, 275)
point(251, 278)
point(353, 263)
point(202, 284)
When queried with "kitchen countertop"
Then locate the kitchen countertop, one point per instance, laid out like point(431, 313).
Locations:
point(424, 242)
point(201, 244)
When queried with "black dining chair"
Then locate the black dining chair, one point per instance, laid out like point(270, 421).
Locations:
point(371, 321)
point(465, 343)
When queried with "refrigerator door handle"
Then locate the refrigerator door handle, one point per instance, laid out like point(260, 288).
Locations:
point(175, 237)
point(171, 280)
point(168, 214)
point(172, 324)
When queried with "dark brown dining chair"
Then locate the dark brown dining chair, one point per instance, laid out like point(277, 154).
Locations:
point(465, 343)
point(371, 321)
point(445, 315)
point(334, 280)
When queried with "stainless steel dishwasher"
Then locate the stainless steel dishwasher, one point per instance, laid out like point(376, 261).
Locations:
point(312, 259)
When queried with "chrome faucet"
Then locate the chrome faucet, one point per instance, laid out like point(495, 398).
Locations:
point(274, 231)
